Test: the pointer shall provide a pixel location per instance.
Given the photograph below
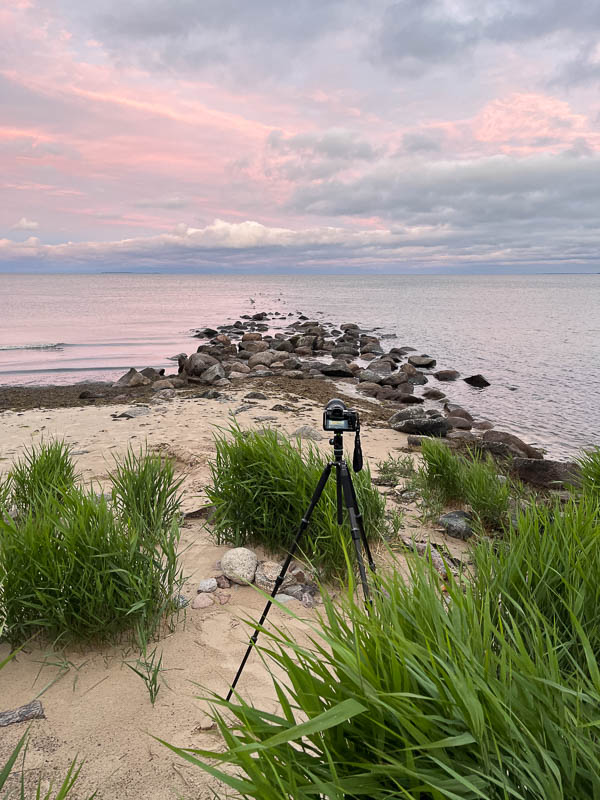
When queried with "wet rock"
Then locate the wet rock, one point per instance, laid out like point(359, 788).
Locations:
point(423, 361)
point(197, 363)
point(239, 565)
point(457, 524)
point(252, 337)
point(153, 374)
point(459, 422)
point(454, 410)
point(546, 473)
point(368, 388)
point(404, 414)
point(504, 444)
point(418, 379)
point(446, 375)
point(477, 380)
point(483, 425)
point(396, 379)
point(425, 426)
point(433, 394)
point(462, 437)
point(212, 374)
point(368, 376)
point(264, 359)
point(205, 333)
point(254, 347)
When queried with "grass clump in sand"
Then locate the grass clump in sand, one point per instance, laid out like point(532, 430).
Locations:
point(483, 688)
point(262, 484)
point(446, 477)
point(76, 566)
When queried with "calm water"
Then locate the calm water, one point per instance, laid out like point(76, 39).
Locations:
point(536, 338)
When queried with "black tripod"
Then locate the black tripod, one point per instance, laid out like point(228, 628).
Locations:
point(346, 492)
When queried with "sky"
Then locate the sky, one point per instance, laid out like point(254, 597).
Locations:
point(315, 136)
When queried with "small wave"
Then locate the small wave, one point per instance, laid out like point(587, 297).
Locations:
point(56, 346)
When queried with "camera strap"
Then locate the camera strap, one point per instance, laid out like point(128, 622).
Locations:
point(357, 458)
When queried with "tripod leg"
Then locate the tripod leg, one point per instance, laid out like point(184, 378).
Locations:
point(303, 526)
point(361, 526)
point(355, 528)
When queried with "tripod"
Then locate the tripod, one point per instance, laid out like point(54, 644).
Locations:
point(344, 492)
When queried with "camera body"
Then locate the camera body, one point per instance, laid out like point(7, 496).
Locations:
point(337, 417)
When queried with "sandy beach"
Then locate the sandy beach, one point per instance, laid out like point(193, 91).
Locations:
point(97, 708)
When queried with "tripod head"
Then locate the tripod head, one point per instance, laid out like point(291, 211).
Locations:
point(338, 418)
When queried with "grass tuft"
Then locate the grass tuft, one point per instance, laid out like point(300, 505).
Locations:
point(262, 484)
point(46, 472)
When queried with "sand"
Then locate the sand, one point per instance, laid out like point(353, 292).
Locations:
point(97, 708)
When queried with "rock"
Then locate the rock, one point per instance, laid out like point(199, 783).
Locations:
point(337, 369)
point(255, 396)
point(280, 407)
point(235, 366)
point(294, 374)
point(165, 394)
point(153, 374)
point(408, 369)
point(483, 425)
point(132, 413)
point(457, 411)
point(284, 598)
point(211, 394)
point(418, 379)
point(223, 582)
point(208, 585)
point(546, 473)
point(222, 597)
point(254, 347)
point(465, 437)
point(508, 444)
point(457, 524)
point(307, 432)
point(308, 600)
point(446, 375)
point(267, 573)
point(424, 426)
point(424, 361)
point(381, 367)
point(415, 441)
point(459, 422)
point(477, 380)
point(202, 600)
point(163, 384)
point(396, 379)
point(252, 337)
point(90, 395)
point(264, 359)
point(132, 378)
point(222, 339)
point(213, 374)
point(237, 376)
point(433, 394)
point(369, 388)
point(239, 565)
point(197, 363)
point(372, 347)
point(368, 376)
point(410, 399)
point(404, 414)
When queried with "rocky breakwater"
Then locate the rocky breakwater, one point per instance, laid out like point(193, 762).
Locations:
point(408, 383)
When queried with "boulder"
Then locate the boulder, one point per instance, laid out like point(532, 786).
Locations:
point(369, 388)
point(284, 346)
point(545, 473)
point(381, 367)
point(505, 444)
point(404, 414)
point(368, 376)
point(164, 384)
point(408, 369)
point(132, 378)
point(239, 565)
point(446, 375)
point(205, 333)
point(396, 379)
point(235, 366)
point(337, 369)
point(213, 374)
point(371, 347)
point(197, 363)
point(153, 374)
point(423, 361)
point(433, 394)
point(457, 524)
point(454, 410)
point(477, 380)
point(254, 347)
point(459, 422)
point(424, 426)
point(267, 573)
point(252, 337)
point(402, 397)
point(462, 437)
point(262, 359)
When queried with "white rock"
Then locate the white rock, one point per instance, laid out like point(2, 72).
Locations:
point(239, 565)
point(209, 585)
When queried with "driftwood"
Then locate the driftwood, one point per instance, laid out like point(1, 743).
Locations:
point(31, 710)
point(427, 549)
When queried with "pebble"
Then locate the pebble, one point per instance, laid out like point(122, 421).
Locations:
point(202, 600)
point(209, 585)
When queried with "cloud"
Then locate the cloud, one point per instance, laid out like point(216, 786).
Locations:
point(25, 224)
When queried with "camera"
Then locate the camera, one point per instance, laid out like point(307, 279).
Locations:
point(337, 417)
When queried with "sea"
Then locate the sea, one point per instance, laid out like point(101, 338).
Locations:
point(536, 338)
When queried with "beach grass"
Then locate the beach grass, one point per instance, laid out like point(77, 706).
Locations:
point(262, 485)
point(75, 567)
point(45, 472)
point(484, 686)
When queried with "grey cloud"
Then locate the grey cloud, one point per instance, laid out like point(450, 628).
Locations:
point(172, 202)
point(329, 144)
point(423, 141)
